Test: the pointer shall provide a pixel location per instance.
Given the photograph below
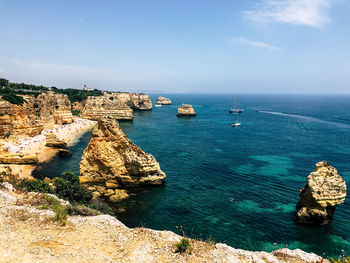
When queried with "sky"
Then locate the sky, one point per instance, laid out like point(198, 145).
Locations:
point(178, 46)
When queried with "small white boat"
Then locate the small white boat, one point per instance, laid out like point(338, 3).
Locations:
point(236, 124)
point(158, 105)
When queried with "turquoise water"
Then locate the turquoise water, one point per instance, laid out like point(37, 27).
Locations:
point(237, 185)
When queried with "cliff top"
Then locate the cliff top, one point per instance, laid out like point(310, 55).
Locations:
point(29, 234)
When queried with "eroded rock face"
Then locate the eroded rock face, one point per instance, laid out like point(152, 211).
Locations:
point(39, 113)
point(18, 159)
point(134, 100)
point(163, 101)
point(112, 162)
point(185, 111)
point(96, 107)
point(323, 191)
point(53, 141)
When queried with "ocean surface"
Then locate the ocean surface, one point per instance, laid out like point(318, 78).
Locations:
point(237, 185)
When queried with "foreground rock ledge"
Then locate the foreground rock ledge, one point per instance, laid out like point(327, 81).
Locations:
point(112, 162)
point(185, 111)
point(29, 235)
point(323, 191)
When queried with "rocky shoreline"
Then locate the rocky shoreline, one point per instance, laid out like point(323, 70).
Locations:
point(29, 234)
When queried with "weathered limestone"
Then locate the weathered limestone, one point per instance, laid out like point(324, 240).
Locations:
point(36, 114)
point(53, 141)
point(133, 100)
point(96, 107)
point(163, 101)
point(323, 191)
point(18, 159)
point(185, 111)
point(112, 162)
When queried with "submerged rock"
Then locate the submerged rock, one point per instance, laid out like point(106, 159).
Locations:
point(163, 101)
point(323, 191)
point(64, 153)
point(185, 111)
point(112, 162)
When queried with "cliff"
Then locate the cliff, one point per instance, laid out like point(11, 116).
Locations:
point(94, 108)
point(36, 114)
point(134, 100)
point(323, 191)
point(163, 101)
point(30, 234)
point(185, 111)
point(112, 162)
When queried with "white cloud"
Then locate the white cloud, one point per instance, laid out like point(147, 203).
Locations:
point(246, 41)
point(297, 12)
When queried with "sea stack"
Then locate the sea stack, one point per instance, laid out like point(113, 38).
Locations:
point(163, 101)
point(112, 162)
point(323, 191)
point(185, 111)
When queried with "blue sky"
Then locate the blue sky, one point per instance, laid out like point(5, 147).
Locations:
point(222, 46)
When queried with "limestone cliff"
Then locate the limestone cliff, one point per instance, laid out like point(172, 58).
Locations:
point(36, 114)
point(323, 191)
point(185, 111)
point(134, 100)
point(163, 101)
point(112, 162)
point(96, 107)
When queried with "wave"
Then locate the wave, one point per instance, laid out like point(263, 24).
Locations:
point(307, 118)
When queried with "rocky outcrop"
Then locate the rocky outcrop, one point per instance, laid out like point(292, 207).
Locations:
point(18, 159)
point(323, 191)
point(163, 101)
point(134, 100)
point(112, 162)
point(28, 234)
point(96, 107)
point(53, 141)
point(185, 111)
point(36, 114)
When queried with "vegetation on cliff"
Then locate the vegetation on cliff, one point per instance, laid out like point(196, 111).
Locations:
point(11, 91)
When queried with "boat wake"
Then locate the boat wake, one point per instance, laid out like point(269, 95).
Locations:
point(307, 118)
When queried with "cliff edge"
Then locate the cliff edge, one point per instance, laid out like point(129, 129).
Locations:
point(29, 234)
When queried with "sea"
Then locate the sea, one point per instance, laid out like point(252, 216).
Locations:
point(236, 185)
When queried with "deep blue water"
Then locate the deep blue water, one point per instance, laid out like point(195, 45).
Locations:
point(238, 185)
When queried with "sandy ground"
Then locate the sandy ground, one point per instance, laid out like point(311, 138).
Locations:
point(28, 234)
point(36, 145)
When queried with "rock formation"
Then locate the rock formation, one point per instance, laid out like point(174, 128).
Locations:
point(36, 114)
point(97, 107)
point(323, 191)
point(53, 141)
point(18, 159)
point(133, 100)
point(185, 111)
point(163, 101)
point(112, 162)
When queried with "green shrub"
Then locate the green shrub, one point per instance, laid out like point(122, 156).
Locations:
point(7, 135)
point(101, 206)
point(14, 99)
point(341, 259)
point(75, 112)
point(68, 187)
point(34, 186)
point(184, 246)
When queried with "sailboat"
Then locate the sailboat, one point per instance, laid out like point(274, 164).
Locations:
point(236, 109)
